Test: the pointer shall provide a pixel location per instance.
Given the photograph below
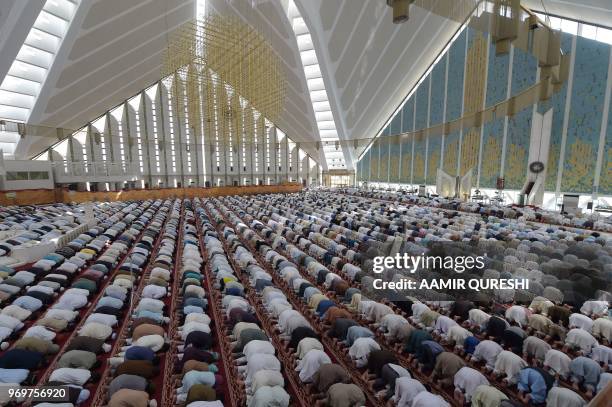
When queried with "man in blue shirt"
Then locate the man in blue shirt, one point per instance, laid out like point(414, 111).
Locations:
point(533, 385)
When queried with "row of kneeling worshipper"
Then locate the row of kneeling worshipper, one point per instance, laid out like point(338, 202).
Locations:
point(135, 375)
point(58, 301)
point(256, 368)
point(329, 381)
point(543, 319)
point(78, 364)
point(550, 346)
point(525, 213)
point(29, 229)
point(200, 383)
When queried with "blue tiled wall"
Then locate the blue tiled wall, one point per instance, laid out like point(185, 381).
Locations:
point(584, 120)
point(437, 94)
point(590, 76)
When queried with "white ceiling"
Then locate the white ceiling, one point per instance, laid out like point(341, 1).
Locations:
point(368, 63)
point(113, 50)
point(597, 12)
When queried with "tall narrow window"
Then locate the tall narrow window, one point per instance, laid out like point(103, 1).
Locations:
point(134, 103)
point(280, 136)
point(268, 130)
point(230, 152)
point(117, 113)
point(216, 121)
point(168, 83)
point(243, 105)
point(81, 137)
point(99, 138)
point(316, 87)
point(28, 72)
point(256, 116)
point(202, 118)
point(187, 126)
point(152, 93)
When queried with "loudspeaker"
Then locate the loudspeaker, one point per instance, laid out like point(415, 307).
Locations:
point(207, 184)
point(400, 10)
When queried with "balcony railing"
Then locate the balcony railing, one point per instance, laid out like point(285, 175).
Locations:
point(97, 171)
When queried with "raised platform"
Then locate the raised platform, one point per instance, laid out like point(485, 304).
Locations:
point(45, 196)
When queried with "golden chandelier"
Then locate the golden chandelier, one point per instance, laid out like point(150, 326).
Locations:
point(225, 71)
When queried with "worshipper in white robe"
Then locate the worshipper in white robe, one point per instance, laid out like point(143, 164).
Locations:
point(96, 330)
point(391, 325)
point(518, 314)
point(443, 324)
point(310, 363)
point(258, 362)
point(417, 309)
point(306, 345)
point(562, 397)
point(427, 399)
point(193, 327)
point(540, 305)
point(580, 340)
point(294, 322)
point(509, 364)
point(360, 350)
point(406, 389)
point(580, 321)
point(536, 348)
point(557, 363)
point(477, 317)
point(604, 380)
point(594, 308)
point(466, 381)
point(266, 378)
point(487, 396)
point(585, 372)
point(70, 376)
point(285, 316)
point(602, 354)
point(40, 332)
point(457, 335)
point(195, 317)
point(256, 347)
point(602, 329)
point(71, 302)
point(487, 351)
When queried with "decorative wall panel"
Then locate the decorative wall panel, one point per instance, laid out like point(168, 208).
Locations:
point(395, 158)
point(456, 68)
point(491, 153)
point(420, 155)
point(476, 77)
point(451, 153)
point(406, 159)
point(590, 78)
point(517, 149)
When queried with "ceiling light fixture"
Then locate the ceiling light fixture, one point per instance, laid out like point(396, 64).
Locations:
point(401, 10)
